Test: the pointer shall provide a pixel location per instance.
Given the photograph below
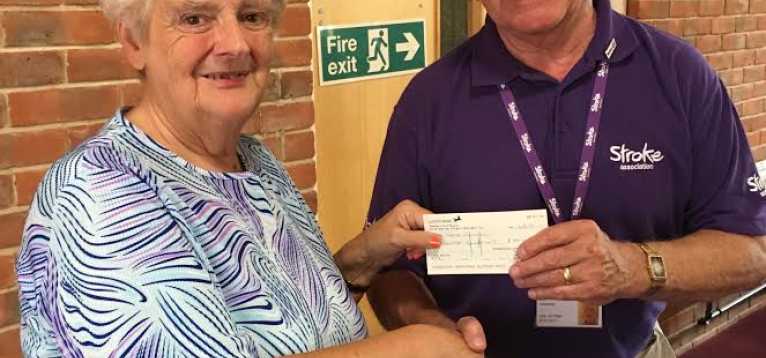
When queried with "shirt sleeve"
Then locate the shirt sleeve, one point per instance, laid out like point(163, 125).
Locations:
point(401, 172)
point(723, 195)
point(105, 270)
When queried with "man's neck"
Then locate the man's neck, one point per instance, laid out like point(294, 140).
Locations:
point(556, 51)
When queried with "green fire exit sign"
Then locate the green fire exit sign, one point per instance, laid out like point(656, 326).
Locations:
point(364, 51)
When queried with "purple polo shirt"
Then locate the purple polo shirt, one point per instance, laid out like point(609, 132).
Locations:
point(671, 159)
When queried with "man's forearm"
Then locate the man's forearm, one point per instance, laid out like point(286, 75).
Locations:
point(399, 298)
point(709, 264)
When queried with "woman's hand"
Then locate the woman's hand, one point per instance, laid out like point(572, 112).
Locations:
point(396, 233)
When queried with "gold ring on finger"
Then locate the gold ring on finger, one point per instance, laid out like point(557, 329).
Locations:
point(567, 275)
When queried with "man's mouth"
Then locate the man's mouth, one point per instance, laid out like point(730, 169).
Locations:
point(234, 75)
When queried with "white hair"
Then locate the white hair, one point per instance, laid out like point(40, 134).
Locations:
point(135, 13)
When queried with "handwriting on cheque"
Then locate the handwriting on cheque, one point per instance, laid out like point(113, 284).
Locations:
point(480, 243)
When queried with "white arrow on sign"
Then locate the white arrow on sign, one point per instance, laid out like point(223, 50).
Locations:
point(411, 46)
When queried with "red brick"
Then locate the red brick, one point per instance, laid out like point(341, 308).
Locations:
point(79, 134)
point(732, 77)
point(684, 8)
point(9, 308)
point(763, 136)
point(734, 41)
point(43, 28)
point(757, 6)
point(741, 92)
point(754, 138)
point(275, 146)
point(754, 123)
point(649, 9)
point(759, 89)
point(31, 2)
point(304, 175)
point(286, 117)
point(299, 146)
point(11, 226)
point(49, 145)
point(752, 107)
point(720, 61)
point(297, 84)
point(759, 153)
point(756, 39)
point(678, 322)
point(743, 58)
point(709, 43)
point(3, 110)
point(98, 65)
point(6, 191)
point(311, 199)
point(62, 105)
point(7, 270)
point(296, 52)
point(736, 6)
point(673, 26)
point(31, 68)
point(26, 185)
point(761, 22)
point(697, 26)
point(746, 23)
point(81, 2)
point(760, 56)
point(755, 73)
point(723, 25)
point(295, 21)
point(273, 89)
point(10, 342)
point(711, 7)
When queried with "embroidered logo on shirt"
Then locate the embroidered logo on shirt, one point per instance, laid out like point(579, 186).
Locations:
point(643, 159)
point(757, 184)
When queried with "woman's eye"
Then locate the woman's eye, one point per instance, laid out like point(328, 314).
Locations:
point(258, 19)
point(192, 20)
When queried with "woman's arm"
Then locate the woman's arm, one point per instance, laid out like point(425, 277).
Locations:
point(397, 233)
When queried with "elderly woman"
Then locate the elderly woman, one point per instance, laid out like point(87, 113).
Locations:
point(170, 235)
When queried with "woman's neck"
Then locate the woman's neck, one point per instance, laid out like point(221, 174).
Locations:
point(556, 51)
point(213, 149)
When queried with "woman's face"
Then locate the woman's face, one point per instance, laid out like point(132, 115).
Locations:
point(208, 59)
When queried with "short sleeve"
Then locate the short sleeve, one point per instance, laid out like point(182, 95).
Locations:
point(723, 195)
point(105, 270)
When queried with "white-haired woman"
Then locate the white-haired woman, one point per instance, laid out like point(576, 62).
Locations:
point(170, 235)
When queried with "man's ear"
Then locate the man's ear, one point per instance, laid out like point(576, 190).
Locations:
point(132, 47)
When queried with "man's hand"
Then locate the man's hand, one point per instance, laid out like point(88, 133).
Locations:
point(473, 333)
point(600, 270)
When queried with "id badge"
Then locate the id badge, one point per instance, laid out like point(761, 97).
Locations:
point(571, 314)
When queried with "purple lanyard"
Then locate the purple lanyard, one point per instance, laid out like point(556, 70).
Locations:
point(588, 149)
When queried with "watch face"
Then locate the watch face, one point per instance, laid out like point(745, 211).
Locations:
point(658, 267)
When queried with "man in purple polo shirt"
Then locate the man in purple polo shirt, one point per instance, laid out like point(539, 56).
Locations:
point(627, 136)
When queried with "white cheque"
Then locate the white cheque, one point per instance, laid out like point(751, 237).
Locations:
point(480, 243)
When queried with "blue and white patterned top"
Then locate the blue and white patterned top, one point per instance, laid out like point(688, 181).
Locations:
point(129, 250)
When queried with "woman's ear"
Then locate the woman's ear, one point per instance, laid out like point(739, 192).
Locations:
point(132, 47)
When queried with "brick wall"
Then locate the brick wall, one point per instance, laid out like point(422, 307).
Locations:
point(732, 36)
point(62, 75)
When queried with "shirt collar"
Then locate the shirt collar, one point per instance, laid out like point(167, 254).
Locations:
point(492, 64)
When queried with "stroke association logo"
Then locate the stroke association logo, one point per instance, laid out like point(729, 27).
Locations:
point(757, 184)
point(629, 159)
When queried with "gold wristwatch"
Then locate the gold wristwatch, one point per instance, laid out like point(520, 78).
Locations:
point(656, 266)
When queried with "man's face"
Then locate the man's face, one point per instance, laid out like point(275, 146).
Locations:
point(209, 58)
point(529, 17)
